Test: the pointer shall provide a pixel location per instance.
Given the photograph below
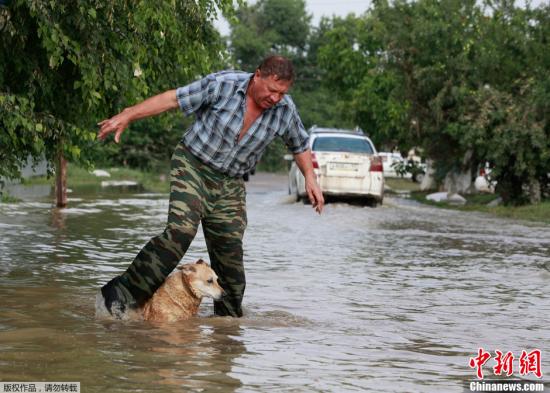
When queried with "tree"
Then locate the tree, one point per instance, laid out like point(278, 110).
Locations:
point(66, 65)
point(278, 26)
point(506, 120)
point(468, 83)
point(354, 59)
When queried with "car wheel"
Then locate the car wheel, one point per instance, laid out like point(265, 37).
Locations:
point(296, 192)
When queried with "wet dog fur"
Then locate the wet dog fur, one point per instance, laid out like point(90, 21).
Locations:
point(179, 297)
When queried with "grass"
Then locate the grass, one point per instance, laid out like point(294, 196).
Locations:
point(400, 184)
point(539, 212)
point(80, 177)
point(477, 202)
point(6, 198)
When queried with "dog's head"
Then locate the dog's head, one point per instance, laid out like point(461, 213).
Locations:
point(202, 280)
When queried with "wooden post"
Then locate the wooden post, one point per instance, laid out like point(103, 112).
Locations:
point(61, 181)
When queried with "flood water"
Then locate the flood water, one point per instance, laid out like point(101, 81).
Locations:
point(395, 298)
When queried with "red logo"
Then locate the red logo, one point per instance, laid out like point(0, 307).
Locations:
point(479, 361)
point(504, 363)
point(528, 363)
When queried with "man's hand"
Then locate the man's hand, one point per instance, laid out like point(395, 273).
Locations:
point(150, 107)
point(315, 194)
point(116, 124)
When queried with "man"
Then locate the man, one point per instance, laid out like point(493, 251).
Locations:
point(237, 114)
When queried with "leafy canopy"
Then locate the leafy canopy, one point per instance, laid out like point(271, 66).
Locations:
point(67, 65)
point(466, 82)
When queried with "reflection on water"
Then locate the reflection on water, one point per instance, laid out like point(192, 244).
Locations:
point(395, 298)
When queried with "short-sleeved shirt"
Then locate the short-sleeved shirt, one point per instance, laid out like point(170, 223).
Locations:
point(218, 102)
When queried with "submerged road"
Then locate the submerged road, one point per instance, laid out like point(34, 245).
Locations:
point(393, 298)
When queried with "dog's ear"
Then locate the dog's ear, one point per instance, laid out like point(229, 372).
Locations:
point(201, 261)
point(187, 269)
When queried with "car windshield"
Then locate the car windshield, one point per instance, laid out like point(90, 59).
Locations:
point(349, 145)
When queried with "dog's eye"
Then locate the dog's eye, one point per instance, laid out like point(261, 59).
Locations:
point(210, 281)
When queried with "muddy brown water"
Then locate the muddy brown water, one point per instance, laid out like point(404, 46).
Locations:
point(393, 298)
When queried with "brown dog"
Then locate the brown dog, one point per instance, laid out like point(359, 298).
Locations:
point(180, 295)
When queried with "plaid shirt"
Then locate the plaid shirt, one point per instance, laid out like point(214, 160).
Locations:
point(218, 102)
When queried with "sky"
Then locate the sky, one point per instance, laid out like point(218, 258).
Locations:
point(320, 8)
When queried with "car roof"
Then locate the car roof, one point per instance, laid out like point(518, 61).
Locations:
point(324, 130)
point(321, 132)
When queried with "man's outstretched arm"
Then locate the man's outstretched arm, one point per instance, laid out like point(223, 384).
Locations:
point(303, 160)
point(150, 107)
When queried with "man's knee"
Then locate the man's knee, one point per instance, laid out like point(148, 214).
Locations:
point(180, 234)
point(157, 260)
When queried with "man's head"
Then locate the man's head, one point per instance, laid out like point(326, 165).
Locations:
point(271, 81)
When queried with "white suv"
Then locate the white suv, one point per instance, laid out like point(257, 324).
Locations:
point(346, 164)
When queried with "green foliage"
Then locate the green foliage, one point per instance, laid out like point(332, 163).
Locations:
point(512, 132)
point(272, 160)
point(402, 168)
point(67, 65)
point(316, 102)
point(147, 144)
point(278, 26)
point(352, 55)
point(6, 198)
point(466, 82)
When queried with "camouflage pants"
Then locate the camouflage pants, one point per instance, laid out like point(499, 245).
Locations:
point(198, 194)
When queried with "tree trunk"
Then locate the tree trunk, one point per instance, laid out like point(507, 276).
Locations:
point(534, 191)
point(428, 181)
point(61, 181)
point(458, 182)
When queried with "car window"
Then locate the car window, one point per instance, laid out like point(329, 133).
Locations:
point(350, 145)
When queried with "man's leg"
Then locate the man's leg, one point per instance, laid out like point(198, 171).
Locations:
point(224, 228)
point(162, 253)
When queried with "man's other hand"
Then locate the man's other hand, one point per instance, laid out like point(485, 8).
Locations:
point(315, 194)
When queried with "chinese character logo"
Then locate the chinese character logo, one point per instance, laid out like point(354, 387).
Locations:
point(504, 363)
point(479, 361)
point(530, 363)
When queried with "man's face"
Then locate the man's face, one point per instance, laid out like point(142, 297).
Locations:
point(268, 91)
